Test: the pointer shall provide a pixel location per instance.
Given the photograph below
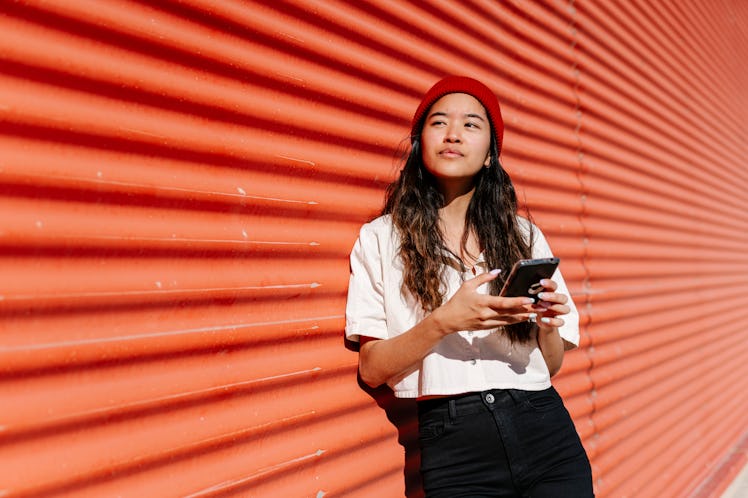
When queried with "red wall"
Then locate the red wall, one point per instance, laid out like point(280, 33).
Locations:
point(180, 185)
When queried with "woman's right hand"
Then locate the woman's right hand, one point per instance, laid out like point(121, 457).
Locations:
point(469, 310)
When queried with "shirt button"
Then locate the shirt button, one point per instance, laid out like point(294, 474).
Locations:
point(490, 398)
point(473, 361)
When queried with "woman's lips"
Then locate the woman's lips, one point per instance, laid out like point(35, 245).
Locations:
point(451, 153)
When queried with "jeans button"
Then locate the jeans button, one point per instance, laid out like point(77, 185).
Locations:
point(490, 398)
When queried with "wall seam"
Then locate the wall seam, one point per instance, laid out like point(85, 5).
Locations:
point(583, 193)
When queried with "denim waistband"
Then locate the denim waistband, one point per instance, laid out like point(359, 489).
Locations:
point(474, 402)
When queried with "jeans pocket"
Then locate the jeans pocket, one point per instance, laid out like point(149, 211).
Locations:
point(430, 431)
point(543, 401)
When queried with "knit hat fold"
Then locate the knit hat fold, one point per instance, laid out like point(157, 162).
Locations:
point(470, 86)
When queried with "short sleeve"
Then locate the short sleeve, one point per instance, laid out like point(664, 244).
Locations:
point(365, 307)
point(570, 330)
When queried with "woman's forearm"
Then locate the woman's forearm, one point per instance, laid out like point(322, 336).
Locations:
point(552, 346)
point(383, 359)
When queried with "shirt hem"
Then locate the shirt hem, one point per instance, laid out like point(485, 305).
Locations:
point(411, 394)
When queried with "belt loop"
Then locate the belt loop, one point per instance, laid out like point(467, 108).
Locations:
point(452, 410)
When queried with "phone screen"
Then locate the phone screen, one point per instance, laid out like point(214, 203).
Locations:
point(524, 280)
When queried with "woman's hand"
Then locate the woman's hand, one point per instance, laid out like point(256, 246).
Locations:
point(550, 306)
point(469, 310)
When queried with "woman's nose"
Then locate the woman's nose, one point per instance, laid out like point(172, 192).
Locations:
point(452, 135)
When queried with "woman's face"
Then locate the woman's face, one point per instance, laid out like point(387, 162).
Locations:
point(456, 138)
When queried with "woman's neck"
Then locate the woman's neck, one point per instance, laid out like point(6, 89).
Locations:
point(452, 222)
point(455, 208)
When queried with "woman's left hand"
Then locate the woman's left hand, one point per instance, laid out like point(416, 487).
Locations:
point(551, 306)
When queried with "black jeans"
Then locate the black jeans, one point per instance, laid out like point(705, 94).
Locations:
point(501, 443)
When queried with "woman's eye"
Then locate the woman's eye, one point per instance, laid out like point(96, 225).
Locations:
point(472, 125)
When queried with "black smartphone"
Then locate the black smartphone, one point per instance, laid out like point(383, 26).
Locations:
point(524, 280)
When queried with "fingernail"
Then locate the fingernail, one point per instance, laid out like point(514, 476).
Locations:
point(543, 295)
point(495, 272)
point(532, 317)
point(528, 300)
point(545, 319)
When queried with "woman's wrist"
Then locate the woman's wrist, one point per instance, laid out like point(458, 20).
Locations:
point(439, 323)
point(546, 329)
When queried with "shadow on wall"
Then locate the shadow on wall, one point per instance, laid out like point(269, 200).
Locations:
point(403, 415)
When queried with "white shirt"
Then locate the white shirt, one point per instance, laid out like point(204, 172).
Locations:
point(466, 361)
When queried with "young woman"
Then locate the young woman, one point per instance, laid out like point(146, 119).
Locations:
point(423, 302)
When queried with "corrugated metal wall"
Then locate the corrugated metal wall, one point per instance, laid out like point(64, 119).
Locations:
point(182, 181)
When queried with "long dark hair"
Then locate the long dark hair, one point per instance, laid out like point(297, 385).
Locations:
point(413, 201)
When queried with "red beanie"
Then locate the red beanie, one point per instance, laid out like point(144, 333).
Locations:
point(462, 84)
